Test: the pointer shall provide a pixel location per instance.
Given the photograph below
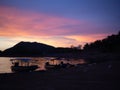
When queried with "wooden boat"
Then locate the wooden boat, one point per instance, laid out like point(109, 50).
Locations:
point(22, 65)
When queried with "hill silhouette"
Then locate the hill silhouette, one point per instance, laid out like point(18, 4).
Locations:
point(28, 49)
point(37, 49)
point(0, 52)
point(110, 44)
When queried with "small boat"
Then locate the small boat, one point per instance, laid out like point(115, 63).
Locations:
point(22, 65)
point(51, 66)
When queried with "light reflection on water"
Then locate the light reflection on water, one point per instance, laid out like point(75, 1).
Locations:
point(5, 65)
point(5, 62)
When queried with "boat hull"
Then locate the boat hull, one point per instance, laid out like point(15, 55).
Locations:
point(23, 68)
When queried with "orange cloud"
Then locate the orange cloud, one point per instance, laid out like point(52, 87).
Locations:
point(83, 39)
point(23, 23)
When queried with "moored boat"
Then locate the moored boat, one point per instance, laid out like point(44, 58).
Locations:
point(22, 65)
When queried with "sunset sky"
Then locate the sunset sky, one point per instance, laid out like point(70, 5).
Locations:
point(60, 23)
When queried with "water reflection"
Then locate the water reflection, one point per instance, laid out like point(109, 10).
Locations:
point(5, 63)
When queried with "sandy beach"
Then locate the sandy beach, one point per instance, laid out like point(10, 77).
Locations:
point(101, 76)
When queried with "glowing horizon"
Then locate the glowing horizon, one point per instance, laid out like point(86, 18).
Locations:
point(56, 27)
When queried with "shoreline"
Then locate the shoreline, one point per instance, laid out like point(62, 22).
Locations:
point(100, 76)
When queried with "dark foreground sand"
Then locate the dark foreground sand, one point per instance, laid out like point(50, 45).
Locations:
point(101, 76)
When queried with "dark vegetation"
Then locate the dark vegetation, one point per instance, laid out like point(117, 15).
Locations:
point(104, 50)
point(110, 44)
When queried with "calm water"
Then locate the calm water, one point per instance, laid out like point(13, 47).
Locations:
point(5, 63)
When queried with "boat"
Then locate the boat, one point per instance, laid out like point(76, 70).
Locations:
point(49, 66)
point(22, 65)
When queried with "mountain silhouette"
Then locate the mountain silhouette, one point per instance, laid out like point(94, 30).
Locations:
point(28, 49)
point(110, 44)
point(25, 49)
point(0, 52)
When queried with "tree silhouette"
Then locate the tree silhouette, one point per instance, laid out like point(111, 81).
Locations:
point(109, 44)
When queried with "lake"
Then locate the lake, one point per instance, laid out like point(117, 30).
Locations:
point(5, 62)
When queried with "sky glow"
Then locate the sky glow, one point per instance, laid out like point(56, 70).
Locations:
point(60, 23)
